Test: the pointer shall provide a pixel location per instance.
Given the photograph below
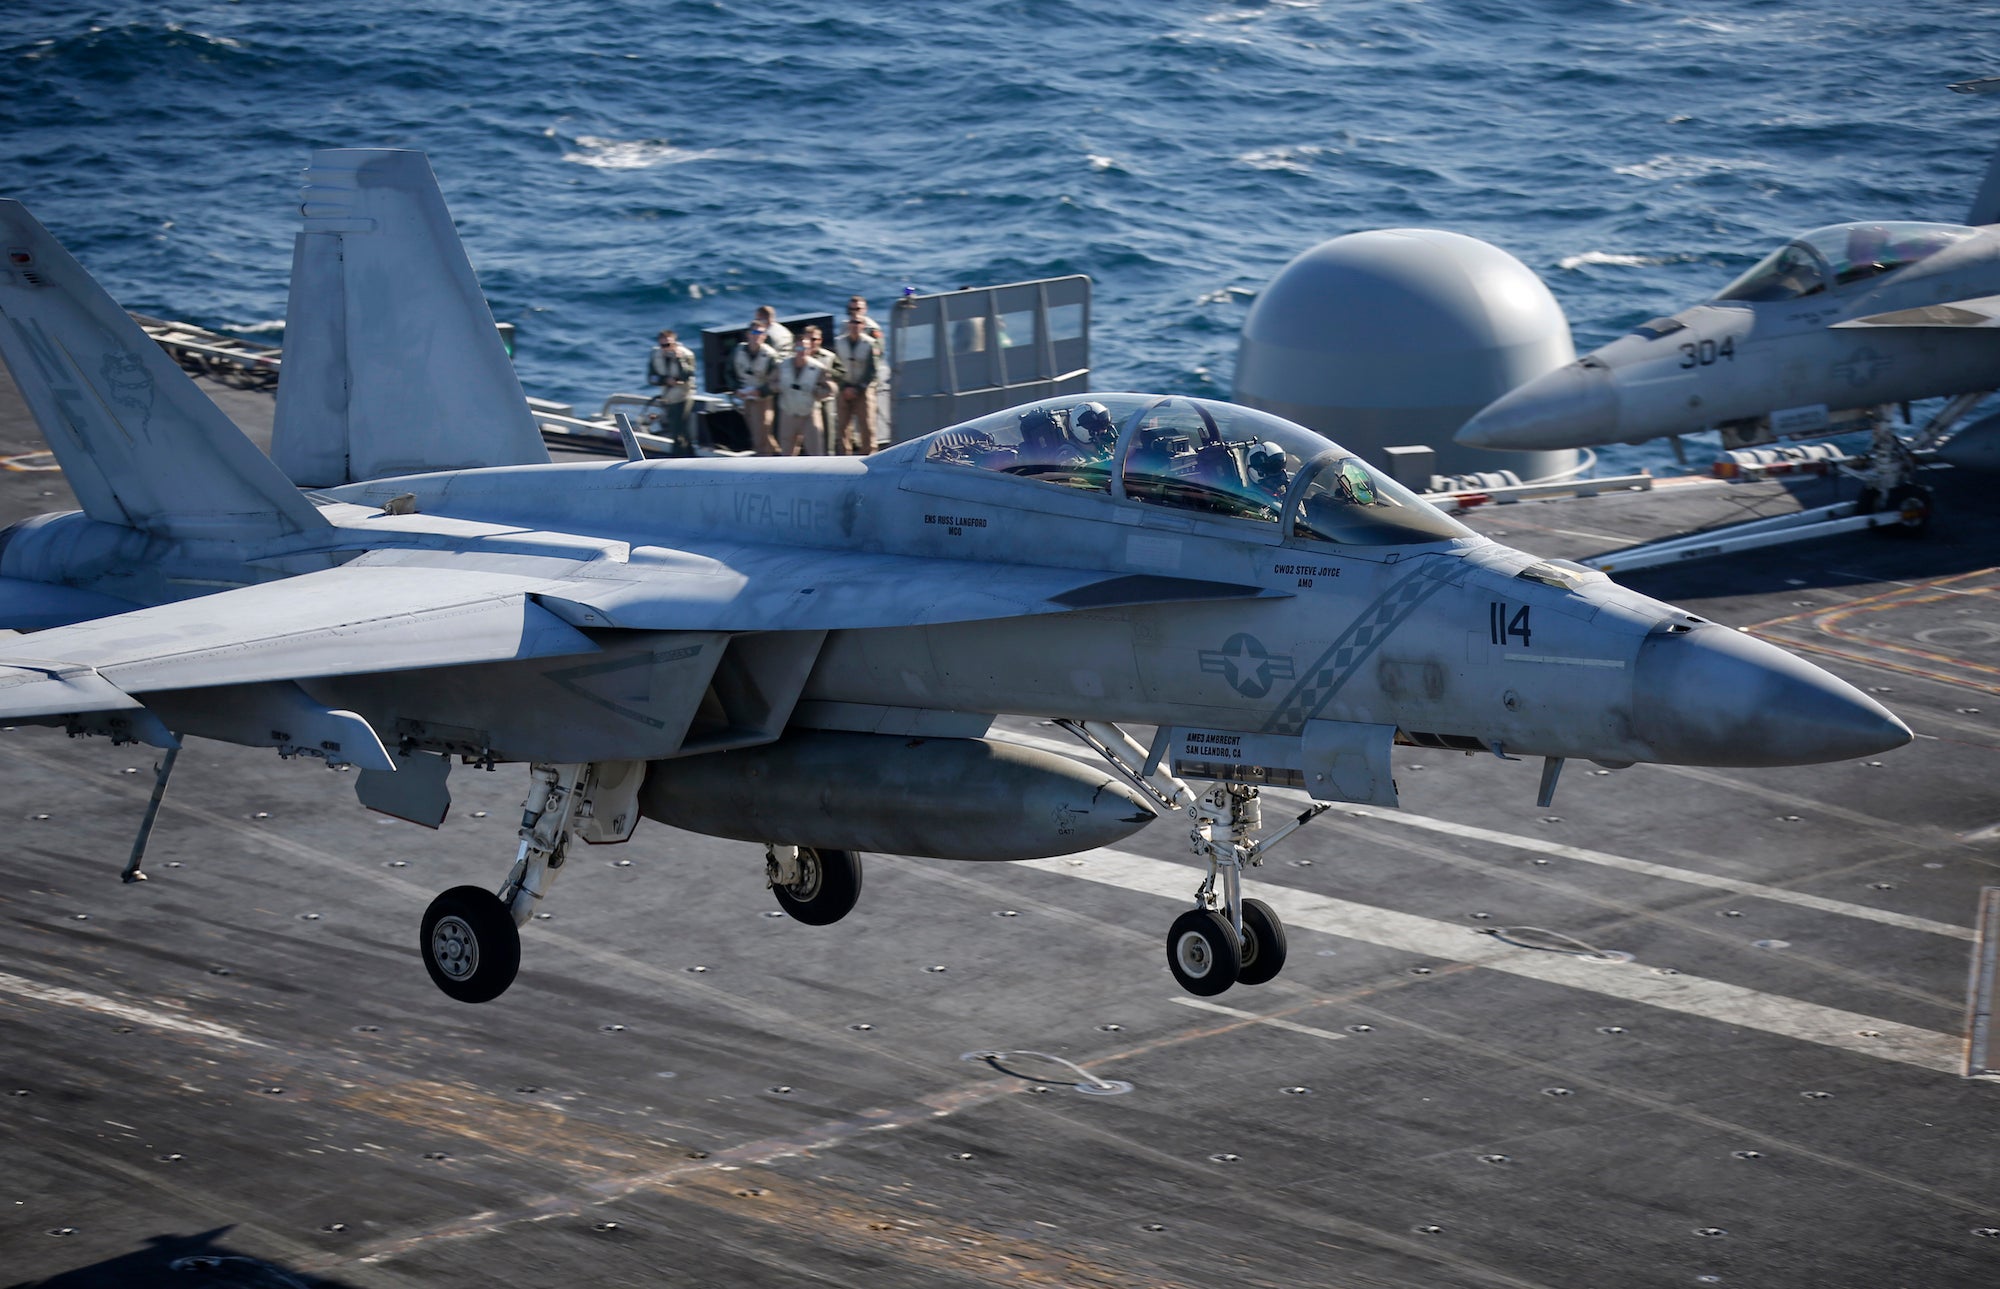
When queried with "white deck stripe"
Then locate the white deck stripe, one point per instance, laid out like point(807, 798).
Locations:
point(1275, 1022)
point(66, 997)
point(1693, 995)
point(1693, 877)
point(1603, 859)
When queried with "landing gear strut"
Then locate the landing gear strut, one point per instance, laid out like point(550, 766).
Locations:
point(1224, 939)
point(471, 939)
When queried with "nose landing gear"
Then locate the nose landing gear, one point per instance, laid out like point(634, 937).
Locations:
point(1226, 939)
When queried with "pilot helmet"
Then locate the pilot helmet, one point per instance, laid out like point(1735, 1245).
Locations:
point(1266, 459)
point(1092, 421)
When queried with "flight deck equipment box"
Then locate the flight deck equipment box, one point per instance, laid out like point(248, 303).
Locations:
point(960, 354)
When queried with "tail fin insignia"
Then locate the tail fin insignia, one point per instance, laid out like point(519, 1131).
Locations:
point(139, 444)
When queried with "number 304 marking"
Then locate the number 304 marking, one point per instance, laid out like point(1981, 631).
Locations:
point(1705, 353)
point(1501, 628)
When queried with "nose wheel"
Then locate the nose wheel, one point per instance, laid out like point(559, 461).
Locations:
point(1203, 952)
point(1263, 944)
point(1225, 939)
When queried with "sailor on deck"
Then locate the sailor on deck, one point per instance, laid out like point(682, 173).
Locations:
point(859, 356)
point(672, 369)
point(754, 368)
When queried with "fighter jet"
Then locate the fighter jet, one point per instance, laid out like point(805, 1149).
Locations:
point(1830, 326)
point(803, 653)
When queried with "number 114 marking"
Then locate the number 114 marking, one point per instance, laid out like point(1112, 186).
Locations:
point(1502, 628)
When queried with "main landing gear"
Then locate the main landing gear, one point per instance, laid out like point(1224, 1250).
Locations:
point(471, 938)
point(818, 887)
point(1224, 939)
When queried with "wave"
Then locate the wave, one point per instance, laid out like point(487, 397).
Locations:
point(1570, 263)
point(632, 154)
point(1670, 166)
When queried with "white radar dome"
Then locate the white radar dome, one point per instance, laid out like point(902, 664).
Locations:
point(1396, 337)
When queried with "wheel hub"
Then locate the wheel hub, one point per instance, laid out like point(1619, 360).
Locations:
point(454, 947)
point(1196, 955)
point(810, 873)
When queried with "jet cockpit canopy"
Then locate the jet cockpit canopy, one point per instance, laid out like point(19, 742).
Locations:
point(1199, 455)
point(1839, 254)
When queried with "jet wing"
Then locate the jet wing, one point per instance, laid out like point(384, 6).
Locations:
point(767, 588)
point(341, 621)
point(1977, 311)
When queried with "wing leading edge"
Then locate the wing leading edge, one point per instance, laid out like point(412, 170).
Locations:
point(343, 621)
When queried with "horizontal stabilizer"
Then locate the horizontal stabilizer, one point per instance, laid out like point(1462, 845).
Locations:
point(1979, 311)
point(32, 606)
point(767, 588)
point(139, 444)
point(345, 621)
point(392, 362)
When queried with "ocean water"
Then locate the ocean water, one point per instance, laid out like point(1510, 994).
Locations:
point(617, 166)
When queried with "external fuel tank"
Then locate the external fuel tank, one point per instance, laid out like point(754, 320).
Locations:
point(944, 798)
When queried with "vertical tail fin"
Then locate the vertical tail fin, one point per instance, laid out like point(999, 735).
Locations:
point(137, 441)
point(392, 362)
point(1986, 202)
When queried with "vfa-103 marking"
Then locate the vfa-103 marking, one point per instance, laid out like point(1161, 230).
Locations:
point(651, 639)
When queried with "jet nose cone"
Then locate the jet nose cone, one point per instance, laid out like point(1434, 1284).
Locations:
point(1571, 407)
point(1714, 696)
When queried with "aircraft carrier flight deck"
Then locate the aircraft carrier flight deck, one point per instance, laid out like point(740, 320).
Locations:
point(1682, 1027)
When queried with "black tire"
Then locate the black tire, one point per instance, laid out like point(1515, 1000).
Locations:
point(828, 886)
point(1203, 952)
point(470, 944)
point(1263, 944)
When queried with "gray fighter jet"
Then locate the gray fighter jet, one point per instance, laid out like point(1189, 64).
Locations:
point(1848, 317)
point(803, 653)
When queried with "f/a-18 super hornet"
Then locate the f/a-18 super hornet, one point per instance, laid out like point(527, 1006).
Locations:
point(1818, 337)
point(803, 653)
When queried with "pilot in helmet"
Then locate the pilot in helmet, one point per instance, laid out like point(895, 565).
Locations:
point(1266, 463)
point(1091, 424)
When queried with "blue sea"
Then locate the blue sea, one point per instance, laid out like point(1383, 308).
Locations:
point(617, 166)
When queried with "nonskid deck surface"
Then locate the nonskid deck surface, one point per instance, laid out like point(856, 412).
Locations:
point(238, 1073)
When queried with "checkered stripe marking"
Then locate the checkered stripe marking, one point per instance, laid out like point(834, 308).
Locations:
point(1332, 669)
